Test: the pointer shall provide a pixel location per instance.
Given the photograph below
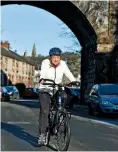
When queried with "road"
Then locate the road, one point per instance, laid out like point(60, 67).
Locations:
point(19, 130)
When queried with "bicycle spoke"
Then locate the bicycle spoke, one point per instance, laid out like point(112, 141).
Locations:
point(63, 136)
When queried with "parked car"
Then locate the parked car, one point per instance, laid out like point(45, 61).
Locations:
point(76, 94)
point(37, 90)
point(13, 92)
point(103, 98)
point(31, 93)
point(4, 94)
point(73, 96)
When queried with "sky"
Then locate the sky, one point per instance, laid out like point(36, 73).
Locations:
point(24, 25)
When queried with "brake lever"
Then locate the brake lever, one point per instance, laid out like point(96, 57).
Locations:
point(40, 80)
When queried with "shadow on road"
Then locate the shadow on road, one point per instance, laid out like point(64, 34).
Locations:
point(20, 133)
point(30, 104)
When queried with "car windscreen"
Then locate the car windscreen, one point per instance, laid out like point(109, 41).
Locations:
point(9, 88)
point(108, 89)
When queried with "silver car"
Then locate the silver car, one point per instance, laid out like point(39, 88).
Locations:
point(13, 92)
point(103, 98)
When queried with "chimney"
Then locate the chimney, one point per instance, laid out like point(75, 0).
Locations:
point(5, 44)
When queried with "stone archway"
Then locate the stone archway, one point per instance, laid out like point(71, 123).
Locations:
point(78, 23)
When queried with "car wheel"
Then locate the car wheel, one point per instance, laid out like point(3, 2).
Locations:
point(70, 106)
point(3, 99)
point(90, 111)
point(99, 112)
point(8, 98)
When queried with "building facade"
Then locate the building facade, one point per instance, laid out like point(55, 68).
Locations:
point(36, 78)
point(14, 68)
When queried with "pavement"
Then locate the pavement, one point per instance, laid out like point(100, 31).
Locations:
point(107, 120)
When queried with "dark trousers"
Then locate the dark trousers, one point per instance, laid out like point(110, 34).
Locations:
point(45, 102)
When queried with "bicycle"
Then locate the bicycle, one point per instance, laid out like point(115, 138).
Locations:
point(59, 119)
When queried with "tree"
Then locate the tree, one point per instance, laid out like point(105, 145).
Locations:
point(39, 55)
point(73, 60)
point(34, 51)
point(67, 33)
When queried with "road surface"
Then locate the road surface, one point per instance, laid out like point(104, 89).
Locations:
point(19, 129)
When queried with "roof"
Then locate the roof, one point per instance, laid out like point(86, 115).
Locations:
point(9, 53)
point(13, 55)
point(28, 61)
point(36, 61)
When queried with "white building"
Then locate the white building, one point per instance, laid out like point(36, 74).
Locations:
point(36, 78)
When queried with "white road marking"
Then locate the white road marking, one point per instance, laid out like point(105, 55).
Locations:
point(111, 127)
point(94, 121)
point(20, 122)
point(27, 100)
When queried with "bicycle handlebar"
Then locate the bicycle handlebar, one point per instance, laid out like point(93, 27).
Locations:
point(59, 85)
point(51, 84)
point(46, 80)
point(74, 83)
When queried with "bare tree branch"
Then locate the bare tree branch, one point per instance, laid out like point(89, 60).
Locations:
point(67, 33)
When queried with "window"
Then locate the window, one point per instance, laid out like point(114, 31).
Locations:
point(17, 66)
point(108, 89)
point(23, 67)
point(6, 63)
point(13, 65)
point(33, 70)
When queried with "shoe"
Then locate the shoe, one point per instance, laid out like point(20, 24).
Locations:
point(42, 140)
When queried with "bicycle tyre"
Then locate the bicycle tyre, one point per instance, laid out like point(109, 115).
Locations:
point(67, 128)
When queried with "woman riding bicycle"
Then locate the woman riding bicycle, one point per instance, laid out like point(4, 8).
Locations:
point(53, 68)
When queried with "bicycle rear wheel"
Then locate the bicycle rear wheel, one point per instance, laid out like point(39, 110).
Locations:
point(63, 131)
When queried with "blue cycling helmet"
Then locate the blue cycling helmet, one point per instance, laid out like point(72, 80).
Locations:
point(55, 51)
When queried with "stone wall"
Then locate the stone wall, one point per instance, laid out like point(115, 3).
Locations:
point(102, 16)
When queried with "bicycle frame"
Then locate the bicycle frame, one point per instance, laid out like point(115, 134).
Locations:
point(53, 115)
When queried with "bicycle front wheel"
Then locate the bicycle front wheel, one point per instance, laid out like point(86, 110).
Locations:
point(63, 131)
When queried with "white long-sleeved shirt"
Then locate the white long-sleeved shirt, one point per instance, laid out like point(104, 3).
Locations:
point(56, 74)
